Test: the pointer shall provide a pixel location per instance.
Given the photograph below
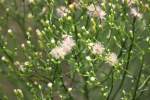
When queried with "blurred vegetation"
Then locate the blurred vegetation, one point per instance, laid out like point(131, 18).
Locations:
point(22, 47)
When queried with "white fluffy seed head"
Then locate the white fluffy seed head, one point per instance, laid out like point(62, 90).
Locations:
point(112, 59)
point(134, 12)
point(101, 14)
point(62, 11)
point(68, 43)
point(57, 53)
point(97, 48)
point(65, 47)
point(96, 11)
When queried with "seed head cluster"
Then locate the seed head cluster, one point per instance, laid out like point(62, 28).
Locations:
point(111, 59)
point(65, 47)
point(97, 48)
point(96, 11)
point(62, 11)
point(134, 12)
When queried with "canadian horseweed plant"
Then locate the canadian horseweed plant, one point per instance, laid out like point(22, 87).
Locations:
point(74, 49)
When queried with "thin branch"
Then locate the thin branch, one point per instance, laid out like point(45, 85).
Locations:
point(138, 79)
point(128, 60)
point(112, 81)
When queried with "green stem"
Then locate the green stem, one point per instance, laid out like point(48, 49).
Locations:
point(143, 86)
point(54, 78)
point(86, 92)
point(138, 80)
point(58, 72)
point(112, 81)
point(128, 60)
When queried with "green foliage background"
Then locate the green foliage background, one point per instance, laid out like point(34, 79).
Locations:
point(115, 33)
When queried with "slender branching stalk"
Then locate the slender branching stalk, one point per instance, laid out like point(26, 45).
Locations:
point(128, 60)
point(138, 79)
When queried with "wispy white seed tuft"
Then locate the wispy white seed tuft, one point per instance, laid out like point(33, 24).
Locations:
point(62, 11)
point(97, 48)
point(96, 11)
point(134, 12)
point(112, 59)
point(65, 47)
